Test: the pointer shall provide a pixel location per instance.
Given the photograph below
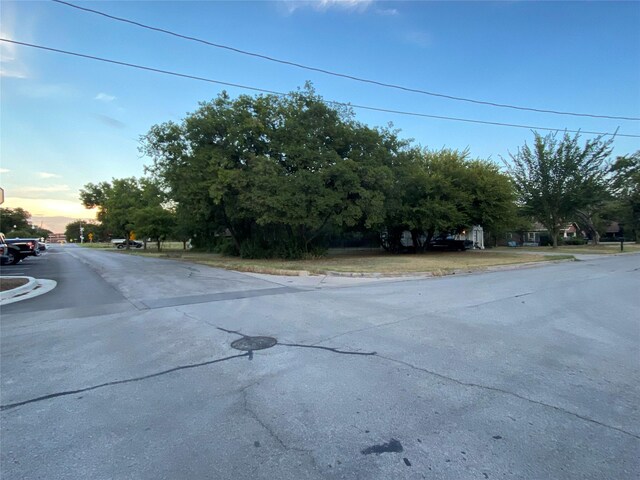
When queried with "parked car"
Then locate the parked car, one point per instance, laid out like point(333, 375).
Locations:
point(123, 244)
point(4, 248)
point(449, 243)
point(9, 254)
point(28, 246)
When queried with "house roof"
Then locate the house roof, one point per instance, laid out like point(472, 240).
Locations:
point(613, 227)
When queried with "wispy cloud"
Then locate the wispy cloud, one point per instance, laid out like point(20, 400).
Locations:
point(4, 170)
point(51, 189)
point(290, 6)
point(39, 192)
point(358, 5)
point(387, 12)
point(43, 90)
point(47, 175)
point(110, 121)
point(105, 97)
point(419, 38)
point(10, 65)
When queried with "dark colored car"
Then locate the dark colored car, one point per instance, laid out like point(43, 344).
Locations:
point(4, 250)
point(9, 254)
point(28, 246)
point(132, 244)
point(449, 243)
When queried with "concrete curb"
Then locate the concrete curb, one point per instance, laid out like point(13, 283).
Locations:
point(21, 290)
point(33, 288)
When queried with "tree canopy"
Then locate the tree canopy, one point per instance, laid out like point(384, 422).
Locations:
point(274, 173)
point(128, 207)
point(14, 219)
point(16, 222)
point(625, 185)
point(558, 180)
point(444, 192)
point(72, 231)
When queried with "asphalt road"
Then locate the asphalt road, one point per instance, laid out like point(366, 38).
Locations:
point(126, 370)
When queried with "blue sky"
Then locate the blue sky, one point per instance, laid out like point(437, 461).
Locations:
point(68, 121)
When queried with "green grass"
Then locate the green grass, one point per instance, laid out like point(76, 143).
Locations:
point(97, 245)
point(601, 249)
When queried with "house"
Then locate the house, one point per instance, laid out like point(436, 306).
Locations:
point(533, 237)
point(612, 233)
point(538, 235)
point(475, 234)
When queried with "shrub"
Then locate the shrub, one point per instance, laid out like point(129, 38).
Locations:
point(572, 241)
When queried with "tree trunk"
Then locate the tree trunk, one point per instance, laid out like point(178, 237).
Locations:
point(229, 227)
point(415, 239)
point(158, 242)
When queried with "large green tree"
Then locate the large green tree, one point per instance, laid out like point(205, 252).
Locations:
point(442, 192)
point(14, 219)
point(559, 181)
point(120, 202)
point(625, 183)
point(154, 222)
point(493, 198)
point(274, 173)
point(116, 201)
point(72, 231)
point(16, 222)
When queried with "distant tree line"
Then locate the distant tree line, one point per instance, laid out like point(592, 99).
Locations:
point(277, 176)
point(16, 223)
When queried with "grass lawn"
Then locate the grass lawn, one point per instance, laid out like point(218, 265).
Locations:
point(362, 262)
point(603, 248)
point(97, 245)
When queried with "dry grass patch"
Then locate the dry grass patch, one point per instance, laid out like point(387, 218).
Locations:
point(11, 283)
point(435, 263)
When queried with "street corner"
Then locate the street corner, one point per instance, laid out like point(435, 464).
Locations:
point(23, 288)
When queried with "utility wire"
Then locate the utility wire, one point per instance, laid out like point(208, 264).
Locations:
point(336, 74)
point(331, 102)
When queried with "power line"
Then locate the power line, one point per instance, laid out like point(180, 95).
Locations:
point(337, 74)
point(329, 72)
point(332, 102)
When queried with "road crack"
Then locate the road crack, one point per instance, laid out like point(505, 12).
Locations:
point(252, 413)
point(431, 372)
point(118, 382)
point(507, 392)
point(334, 350)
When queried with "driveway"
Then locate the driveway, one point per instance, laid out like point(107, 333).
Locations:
point(527, 373)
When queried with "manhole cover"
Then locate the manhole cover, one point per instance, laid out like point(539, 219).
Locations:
point(253, 343)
